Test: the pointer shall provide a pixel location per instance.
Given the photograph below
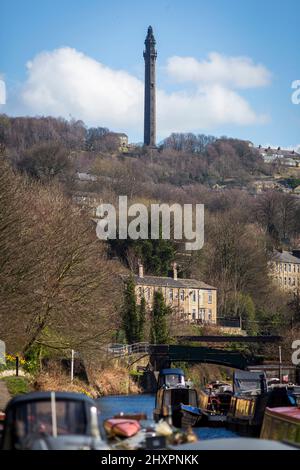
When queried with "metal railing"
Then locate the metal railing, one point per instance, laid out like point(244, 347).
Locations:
point(229, 322)
point(121, 350)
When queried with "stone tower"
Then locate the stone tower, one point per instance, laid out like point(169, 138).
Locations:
point(150, 55)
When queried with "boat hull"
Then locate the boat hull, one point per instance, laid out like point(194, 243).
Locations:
point(246, 415)
point(180, 404)
point(282, 424)
point(210, 420)
point(190, 416)
point(183, 416)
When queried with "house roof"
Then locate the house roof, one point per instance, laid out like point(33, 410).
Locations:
point(286, 257)
point(117, 134)
point(279, 152)
point(170, 282)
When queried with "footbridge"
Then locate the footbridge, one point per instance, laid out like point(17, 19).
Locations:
point(165, 355)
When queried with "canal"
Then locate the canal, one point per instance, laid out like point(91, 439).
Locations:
point(113, 405)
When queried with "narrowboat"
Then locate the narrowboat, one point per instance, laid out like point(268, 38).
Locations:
point(214, 403)
point(51, 421)
point(248, 403)
point(237, 443)
point(282, 424)
point(251, 398)
point(175, 401)
point(179, 405)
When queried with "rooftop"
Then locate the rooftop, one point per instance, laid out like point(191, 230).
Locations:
point(278, 151)
point(117, 134)
point(286, 257)
point(157, 281)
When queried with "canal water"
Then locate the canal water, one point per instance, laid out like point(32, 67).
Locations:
point(112, 405)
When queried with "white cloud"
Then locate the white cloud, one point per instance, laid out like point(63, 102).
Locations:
point(65, 82)
point(206, 108)
point(236, 72)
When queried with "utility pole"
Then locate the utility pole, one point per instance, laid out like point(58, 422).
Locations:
point(17, 366)
point(72, 364)
point(280, 364)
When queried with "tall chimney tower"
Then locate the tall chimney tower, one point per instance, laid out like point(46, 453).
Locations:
point(150, 55)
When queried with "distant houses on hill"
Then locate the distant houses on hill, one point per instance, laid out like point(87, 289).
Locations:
point(285, 157)
point(285, 270)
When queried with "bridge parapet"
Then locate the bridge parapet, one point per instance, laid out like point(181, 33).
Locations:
point(164, 355)
point(121, 350)
point(230, 339)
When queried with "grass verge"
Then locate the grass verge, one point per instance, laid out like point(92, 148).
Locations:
point(17, 385)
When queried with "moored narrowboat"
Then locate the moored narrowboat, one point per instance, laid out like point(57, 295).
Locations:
point(248, 403)
point(282, 424)
point(252, 397)
point(214, 403)
point(179, 405)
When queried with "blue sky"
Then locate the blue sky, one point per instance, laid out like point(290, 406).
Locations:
point(93, 68)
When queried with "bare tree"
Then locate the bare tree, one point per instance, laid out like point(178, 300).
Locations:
point(46, 161)
point(57, 286)
point(235, 261)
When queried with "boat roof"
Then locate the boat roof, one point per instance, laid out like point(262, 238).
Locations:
point(45, 396)
point(248, 376)
point(239, 443)
point(179, 389)
point(171, 372)
point(292, 413)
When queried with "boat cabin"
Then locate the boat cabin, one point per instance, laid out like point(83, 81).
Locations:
point(169, 402)
point(251, 398)
point(249, 383)
point(170, 378)
point(51, 420)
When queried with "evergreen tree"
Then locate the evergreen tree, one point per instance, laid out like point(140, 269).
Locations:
point(130, 314)
point(250, 315)
point(159, 327)
point(156, 255)
point(246, 311)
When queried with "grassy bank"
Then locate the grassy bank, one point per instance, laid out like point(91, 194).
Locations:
point(106, 381)
point(17, 385)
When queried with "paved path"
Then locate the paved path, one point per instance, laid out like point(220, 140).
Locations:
point(4, 395)
point(12, 373)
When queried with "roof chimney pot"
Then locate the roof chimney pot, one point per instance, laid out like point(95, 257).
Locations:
point(175, 272)
point(141, 270)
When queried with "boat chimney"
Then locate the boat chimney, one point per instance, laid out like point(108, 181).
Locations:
point(94, 423)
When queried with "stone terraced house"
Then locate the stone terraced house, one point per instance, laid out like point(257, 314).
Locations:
point(285, 270)
point(190, 299)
